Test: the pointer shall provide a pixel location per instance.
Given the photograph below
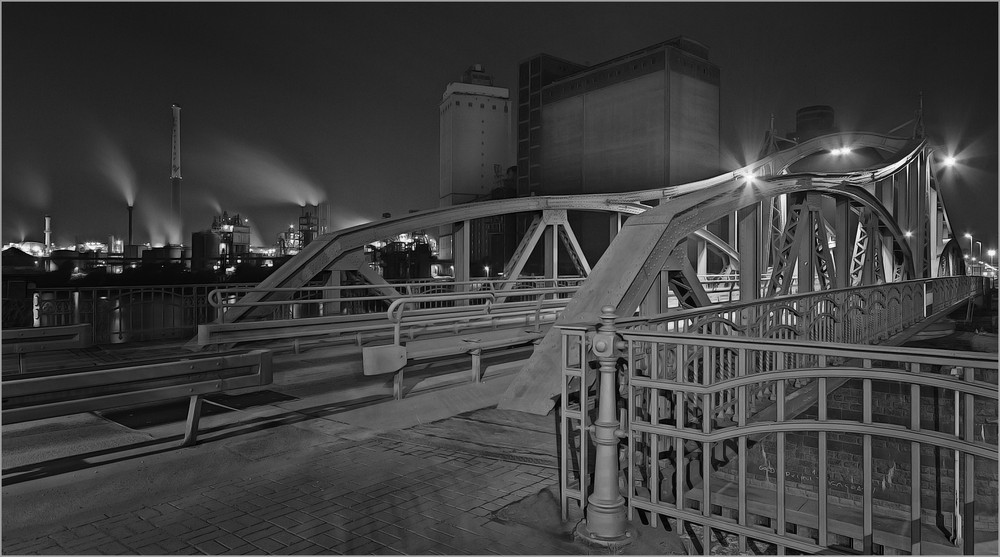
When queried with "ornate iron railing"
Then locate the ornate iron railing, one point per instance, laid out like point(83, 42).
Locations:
point(792, 442)
point(783, 475)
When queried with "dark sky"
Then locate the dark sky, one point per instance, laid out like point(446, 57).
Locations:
point(291, 103)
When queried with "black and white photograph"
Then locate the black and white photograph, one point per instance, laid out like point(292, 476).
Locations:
point(499, 278)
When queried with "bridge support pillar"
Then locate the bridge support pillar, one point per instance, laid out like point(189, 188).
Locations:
point(551, 253)
point(460, 251)
point(606, 522)
point(748, 244)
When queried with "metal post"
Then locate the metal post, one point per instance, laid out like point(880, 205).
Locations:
point(748, 246)
point(606, 522)
point(957, 373)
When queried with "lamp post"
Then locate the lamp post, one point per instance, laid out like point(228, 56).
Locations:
point(606, 523)
point(971, 252)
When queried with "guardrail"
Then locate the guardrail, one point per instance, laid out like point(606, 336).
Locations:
point(314, 301)
point(392, 358)
point(433, 313)
point(34, 398)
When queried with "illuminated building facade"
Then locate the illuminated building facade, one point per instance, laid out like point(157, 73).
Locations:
point(476, 162)
point(475, 133)
point(234, 238)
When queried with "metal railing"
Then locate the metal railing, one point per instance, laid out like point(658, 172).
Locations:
point(124, 313)
point(674, 405)
point(861, 315)
point(313, 301)
point(748, 436)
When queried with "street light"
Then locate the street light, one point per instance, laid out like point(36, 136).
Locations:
point(971, 251)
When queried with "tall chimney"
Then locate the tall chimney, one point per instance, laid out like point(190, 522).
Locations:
point(175, 167)
point(129, 225)
point(48, 233)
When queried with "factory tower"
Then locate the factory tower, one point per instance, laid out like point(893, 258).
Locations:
point(175, 170)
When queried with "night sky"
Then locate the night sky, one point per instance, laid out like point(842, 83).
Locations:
point(285, 104)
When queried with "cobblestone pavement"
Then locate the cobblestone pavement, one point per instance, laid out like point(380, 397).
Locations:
point(378, 496)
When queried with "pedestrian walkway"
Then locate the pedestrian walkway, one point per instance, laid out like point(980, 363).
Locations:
point(300, 477)
point(352, 497)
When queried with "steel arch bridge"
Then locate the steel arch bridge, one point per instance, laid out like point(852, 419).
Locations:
point(790, 232)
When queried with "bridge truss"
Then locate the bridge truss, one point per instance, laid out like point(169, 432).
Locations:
point(789, 232)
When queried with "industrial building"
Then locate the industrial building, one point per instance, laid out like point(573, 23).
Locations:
point(475, 137)
point(477, 163)
point(644, 120)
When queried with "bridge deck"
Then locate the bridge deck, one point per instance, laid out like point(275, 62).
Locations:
point(317, 463)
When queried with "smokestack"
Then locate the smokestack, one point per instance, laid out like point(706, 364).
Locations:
point(130, 225)
point(175, 166)
point(48, 233)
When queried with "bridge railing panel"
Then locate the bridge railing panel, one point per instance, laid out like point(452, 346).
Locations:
point(122, 313)
point(862, 315)
point(313, 301)
point(719, 438)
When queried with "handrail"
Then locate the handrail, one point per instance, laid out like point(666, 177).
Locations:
point(677, 315)
point(395, 312)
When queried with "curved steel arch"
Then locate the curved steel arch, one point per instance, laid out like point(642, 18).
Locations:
point(951, 262)
point(638, 253)
point(329, 248)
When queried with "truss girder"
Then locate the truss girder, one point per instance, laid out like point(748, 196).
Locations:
point(547, 221)
point(824, 266)
point(572, 245)
point(783, 266)
point(323, 252)
point(639, 252)
point(525, 247)
point(860, 254)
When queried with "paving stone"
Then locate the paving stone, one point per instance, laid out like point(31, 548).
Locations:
point(303, 547)
point(325, 540)
point(358, 546)
point(201, 534)
point(286, 538)
point(207, 536)
point(172, 544)
point(269, 545)
point(210, 547)
point(112, 548)
point(255, 533)
point(145, 538)
point(245, 549)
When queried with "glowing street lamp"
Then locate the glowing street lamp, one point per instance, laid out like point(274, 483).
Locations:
point(991, 253)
